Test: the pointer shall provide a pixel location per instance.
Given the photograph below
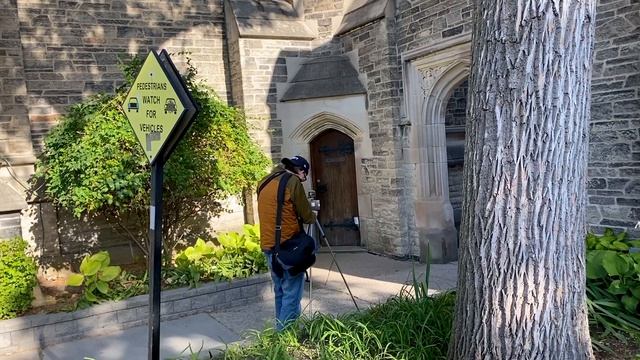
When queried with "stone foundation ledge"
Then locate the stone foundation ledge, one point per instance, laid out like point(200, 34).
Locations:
point(38, 331)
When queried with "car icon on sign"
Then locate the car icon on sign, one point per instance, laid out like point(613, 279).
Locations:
point(133, 104)
point(170, 106)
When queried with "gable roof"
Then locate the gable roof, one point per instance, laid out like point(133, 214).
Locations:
point(276, 19)
point(324, 77)
point(362, 12)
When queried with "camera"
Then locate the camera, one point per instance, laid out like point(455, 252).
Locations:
point(315, 203)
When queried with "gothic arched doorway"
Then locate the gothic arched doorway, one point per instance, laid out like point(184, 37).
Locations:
point(334, 180)
point(454, 124)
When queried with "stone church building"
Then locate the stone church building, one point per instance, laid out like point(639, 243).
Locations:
point(372, 92)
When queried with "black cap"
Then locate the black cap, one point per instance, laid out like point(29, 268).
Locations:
point(297, 161)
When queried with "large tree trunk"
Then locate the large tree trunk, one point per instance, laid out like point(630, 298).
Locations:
point(521, 286)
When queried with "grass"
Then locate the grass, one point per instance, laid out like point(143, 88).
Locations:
point(407, 326)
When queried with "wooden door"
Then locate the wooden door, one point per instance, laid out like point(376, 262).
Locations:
point(334, 180)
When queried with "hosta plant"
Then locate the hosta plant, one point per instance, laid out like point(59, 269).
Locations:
point(237, 255)
point(95, 275)
point(613, 284)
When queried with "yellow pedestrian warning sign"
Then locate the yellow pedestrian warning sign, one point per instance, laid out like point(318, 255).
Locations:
point(153, 106)
point(160, 110)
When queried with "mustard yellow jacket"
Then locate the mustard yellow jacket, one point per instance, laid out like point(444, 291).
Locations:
point(295, 206)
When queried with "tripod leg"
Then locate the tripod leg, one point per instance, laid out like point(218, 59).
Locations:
point(336, 262)
point(309, 274)
point(328, 273)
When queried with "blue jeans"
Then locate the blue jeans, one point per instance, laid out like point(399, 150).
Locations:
point(288, 294)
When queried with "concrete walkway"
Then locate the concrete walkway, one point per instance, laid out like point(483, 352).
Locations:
point(371, 278)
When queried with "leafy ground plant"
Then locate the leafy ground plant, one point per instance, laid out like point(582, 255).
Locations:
point(95, 275)
point(18, 278)
point(237, 255)
point(613, 286)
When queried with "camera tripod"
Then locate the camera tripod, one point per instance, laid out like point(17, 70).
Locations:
point(323, 236)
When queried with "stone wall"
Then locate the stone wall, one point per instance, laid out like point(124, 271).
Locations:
point(420, 24)
point(325, 16)
point(614, 162)
point(15, 136)
point(258, 64)
point(387, 230)
point(38, 331)
point(426, 22)
point(614, 158)
point(57, 53)
point(71, 49)
point(10, 225)
point(261, 66)
point(16, 151)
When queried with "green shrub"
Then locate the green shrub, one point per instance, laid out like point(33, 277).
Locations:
point(95, 275)
point(18, 278)
point(236, 256)
point(613, 284)
point(92, 164)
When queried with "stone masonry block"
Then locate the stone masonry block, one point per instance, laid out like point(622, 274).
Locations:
point(166, 308)
point(233, 295)
point(5, 340)
point(49, 331)
point(23, 339)
point(174, 294)
point(617, 183)
point(143, 311)
point(628, 106)
point(107, 319)
point(127, 315)
point(201, 301)
point(224, 285)
point(266, 293)
point(182, 305)
point(250, 291)
point(17, 324)
point(67, 327)
point(205, 289)
point(137, 301)
point(218, 298)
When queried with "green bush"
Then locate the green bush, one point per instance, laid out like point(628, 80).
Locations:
point(92, 164)
point(18, 278)
point(236, 256)
point(613, 284)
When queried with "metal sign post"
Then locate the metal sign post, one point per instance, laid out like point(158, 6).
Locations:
point(160, 110)
point(155, 259)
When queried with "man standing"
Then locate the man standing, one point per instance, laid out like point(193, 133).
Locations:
point(295, 211)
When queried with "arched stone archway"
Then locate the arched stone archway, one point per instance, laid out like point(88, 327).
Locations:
point(320, 122)
point(430, 79)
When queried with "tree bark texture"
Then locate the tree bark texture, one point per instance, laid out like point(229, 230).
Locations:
point(521, 282)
